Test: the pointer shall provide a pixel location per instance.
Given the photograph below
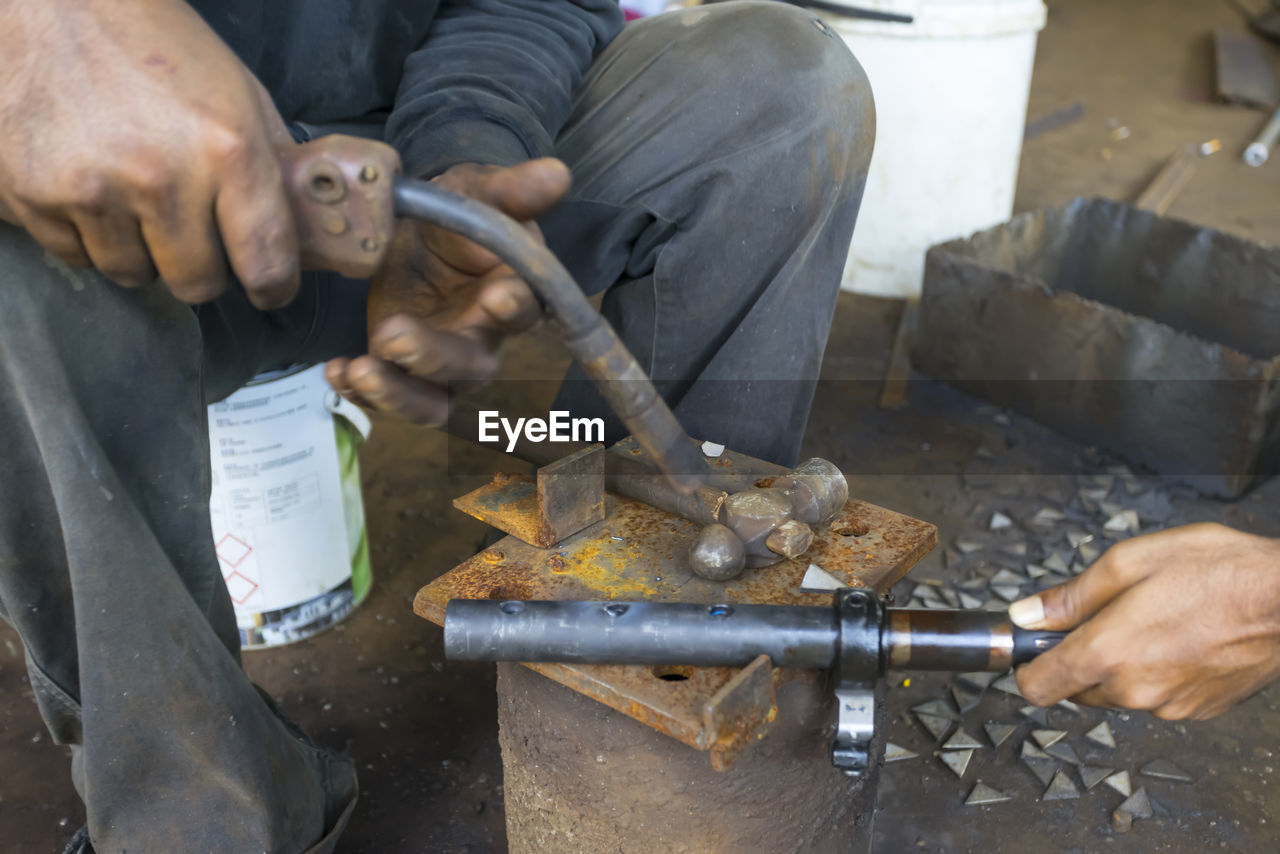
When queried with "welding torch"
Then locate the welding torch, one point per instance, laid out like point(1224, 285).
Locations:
point(856, 637)
point(346, 193)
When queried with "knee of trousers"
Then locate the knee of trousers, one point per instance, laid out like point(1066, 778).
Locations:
point(802, 77)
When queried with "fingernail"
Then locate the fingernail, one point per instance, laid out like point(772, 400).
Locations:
point(1028, 613)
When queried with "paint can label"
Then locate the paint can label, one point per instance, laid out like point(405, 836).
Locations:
point(286, 506)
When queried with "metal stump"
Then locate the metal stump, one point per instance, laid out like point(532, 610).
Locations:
point(581, 777)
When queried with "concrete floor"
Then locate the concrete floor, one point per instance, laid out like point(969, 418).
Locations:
point(424, 731)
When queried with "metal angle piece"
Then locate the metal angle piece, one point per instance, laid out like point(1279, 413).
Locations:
point(961, 740)
point(1037, 714)
point(1008, 684)
point(956, 760)
point(818, 580)
point(937, 708)
point(967, 546)
point(1063, 751)
point(999, 733)
point(897, 753)
point(999, 522)
point(1046, 737)
point(934, 725)
point(995, 605)
point(1121, 783)
point(1069, 706)
point(949, 596)
point(1007, 592)
point(973, 585)
point(965, 699)
point(1060, 788)
point(936, 604)
point(1163, 769)
point(983, 794)
point(978, 679)
point(1092, 775)
point(969, 602)
point(1101, 734)
point(1137, 805)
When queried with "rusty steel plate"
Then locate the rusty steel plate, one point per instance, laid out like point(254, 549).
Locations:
point(640, 552)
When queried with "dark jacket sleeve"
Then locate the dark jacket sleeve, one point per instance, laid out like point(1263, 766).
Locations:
point(494, 79)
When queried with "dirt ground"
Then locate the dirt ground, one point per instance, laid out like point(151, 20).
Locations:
point(424, 732)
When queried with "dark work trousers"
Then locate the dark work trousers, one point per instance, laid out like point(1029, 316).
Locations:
point(719, 156)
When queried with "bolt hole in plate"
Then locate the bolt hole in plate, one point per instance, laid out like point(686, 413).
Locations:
point(851, 529)
point(720, 610)
point(512, 607)
point(673, 672)
point(616, 609)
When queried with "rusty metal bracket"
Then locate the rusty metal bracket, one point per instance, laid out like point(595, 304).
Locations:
point(742, 711)
point(564, 497)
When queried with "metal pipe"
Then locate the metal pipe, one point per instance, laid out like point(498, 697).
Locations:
point(727, 635)
point(1259, 151)
point(639, 633)
point(587, 335)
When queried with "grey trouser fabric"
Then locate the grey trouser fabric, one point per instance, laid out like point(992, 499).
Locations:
point(719, 156)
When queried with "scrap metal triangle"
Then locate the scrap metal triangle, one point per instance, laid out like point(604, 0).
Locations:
point(1030, 751)
point(1101, 734)
point(1035, 713)
point(935, 725)
point(1046, 737)
point(984, 794)
point(978, 679)
point(938, 708)
point(965, 699)
point(1044, 769)
point(1092, 775)
point(1137, 805)
point(1062, 750)
point(818, 580)
point(1007, 592)
point(1007, 684)
point(1060, 788)
point(1056, 563)
point(961, 740)
point(1121, 783)
point(956, 760)
point(896, 753)
point(999, 733)
point(1008, 576)
point(969, 602)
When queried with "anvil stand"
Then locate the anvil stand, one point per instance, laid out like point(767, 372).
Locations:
point(597, 757)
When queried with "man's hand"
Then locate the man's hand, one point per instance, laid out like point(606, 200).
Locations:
point(1183, 623)
point(440, 306)
point(136, 142)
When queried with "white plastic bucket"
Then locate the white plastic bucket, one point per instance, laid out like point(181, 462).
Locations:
point(286, 506)
point(951, 101)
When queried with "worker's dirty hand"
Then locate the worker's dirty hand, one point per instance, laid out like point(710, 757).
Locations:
point(137, 143)
point(440, 306)
point(1183, 623)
